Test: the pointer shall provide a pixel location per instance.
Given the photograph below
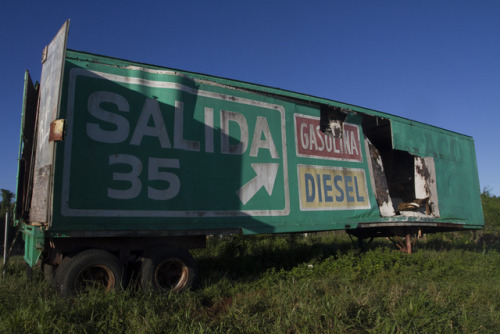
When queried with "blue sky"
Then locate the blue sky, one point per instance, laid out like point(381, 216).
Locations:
point(437, 62)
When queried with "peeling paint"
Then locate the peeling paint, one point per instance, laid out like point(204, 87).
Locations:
point(386, 209)
point(425, 183)
point(379, 183)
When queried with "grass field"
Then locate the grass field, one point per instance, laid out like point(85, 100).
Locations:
point(287, 284)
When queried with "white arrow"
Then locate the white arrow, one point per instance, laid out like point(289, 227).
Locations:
point(266, 175)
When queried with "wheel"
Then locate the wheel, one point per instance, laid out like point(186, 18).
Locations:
point(167, 269)
point(49, 273)
point(93, 268)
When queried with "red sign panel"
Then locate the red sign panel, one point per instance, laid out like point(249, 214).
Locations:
point(313, 143)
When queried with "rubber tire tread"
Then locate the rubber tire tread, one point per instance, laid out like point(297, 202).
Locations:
point(155, 256)
point(70, 267)
point(49, 273)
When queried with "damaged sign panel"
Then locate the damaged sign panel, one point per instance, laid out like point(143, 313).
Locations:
point(143, 150)
point(172, 150)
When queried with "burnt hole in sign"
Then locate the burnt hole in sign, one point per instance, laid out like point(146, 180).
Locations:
point(332, 120)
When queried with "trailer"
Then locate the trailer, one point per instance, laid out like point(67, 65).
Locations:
point(124, 164)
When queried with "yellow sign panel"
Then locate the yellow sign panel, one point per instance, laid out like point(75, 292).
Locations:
point(332, 188)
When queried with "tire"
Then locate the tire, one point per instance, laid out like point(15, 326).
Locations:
point(167, 269)
point(90, 269)
point(49, 273)
point(61, 271)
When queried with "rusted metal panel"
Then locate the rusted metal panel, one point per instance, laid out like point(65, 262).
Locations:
point(48, 109)
point(40, 201)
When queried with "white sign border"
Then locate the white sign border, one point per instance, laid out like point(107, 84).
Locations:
point(67, 211)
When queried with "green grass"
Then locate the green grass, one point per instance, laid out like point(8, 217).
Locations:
point(287, 284)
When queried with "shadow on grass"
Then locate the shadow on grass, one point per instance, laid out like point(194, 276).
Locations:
point(243, 258)
point(468, 241)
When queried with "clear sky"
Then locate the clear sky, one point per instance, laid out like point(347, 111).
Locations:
point(437, 61)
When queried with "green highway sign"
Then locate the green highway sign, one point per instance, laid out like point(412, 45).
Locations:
point(155, 144)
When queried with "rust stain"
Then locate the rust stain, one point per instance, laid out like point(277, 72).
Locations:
point(56, 130)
